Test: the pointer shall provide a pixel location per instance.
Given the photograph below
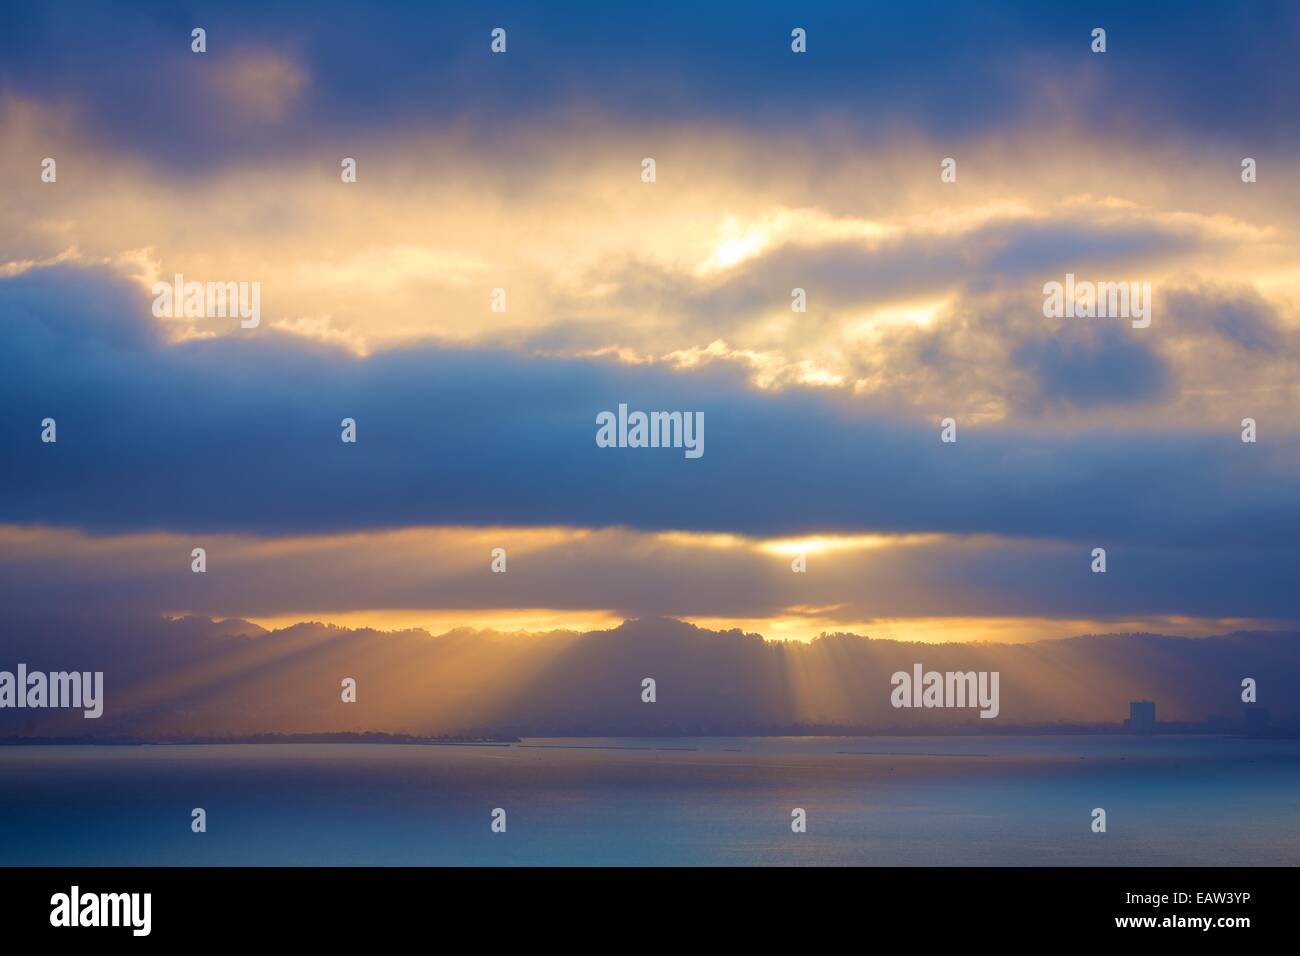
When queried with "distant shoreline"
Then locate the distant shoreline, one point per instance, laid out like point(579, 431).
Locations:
point(325, 738)
point(504, 740)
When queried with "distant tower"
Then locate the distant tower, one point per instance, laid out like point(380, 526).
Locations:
point(1141, 717)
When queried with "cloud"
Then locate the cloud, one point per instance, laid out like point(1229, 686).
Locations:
point(1235, 316)
point(935, 585)
point(1106, 367)
point(241, 433)
point(1212, 76)
point(920, 294)
point(257, 86)
point(776, 171)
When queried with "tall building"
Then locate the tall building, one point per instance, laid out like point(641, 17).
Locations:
point(1141, 716)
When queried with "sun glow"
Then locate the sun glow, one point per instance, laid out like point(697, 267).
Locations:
point(790, 547)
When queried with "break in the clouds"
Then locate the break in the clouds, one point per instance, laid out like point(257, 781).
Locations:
point(438, 578)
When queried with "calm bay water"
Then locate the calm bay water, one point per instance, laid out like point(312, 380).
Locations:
point(684, 801)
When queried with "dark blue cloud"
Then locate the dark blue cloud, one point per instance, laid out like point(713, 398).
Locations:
point(241, 433)
point(1105, 365)
point(1206, 71)
point(1237, 315)
point(1019, 250)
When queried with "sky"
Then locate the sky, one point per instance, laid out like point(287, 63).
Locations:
point(774, 170)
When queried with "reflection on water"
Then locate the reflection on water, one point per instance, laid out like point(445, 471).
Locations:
point(688, 801)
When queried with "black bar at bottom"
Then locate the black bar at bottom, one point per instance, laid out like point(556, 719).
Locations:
point(302, 905)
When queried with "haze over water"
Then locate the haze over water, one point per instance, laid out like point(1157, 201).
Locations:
point(671, 801)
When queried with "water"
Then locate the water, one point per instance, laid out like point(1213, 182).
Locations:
point(725, 801)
